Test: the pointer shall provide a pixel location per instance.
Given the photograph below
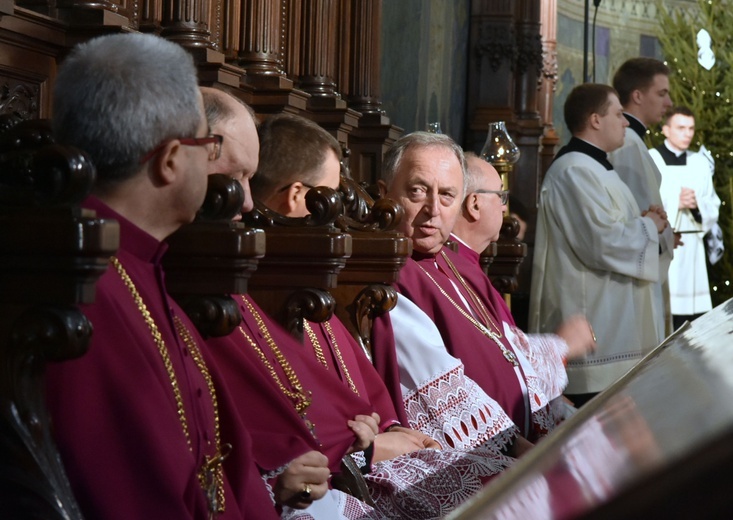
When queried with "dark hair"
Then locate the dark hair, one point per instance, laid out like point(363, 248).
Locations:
point(584, 101)
point(681, 110)
point(292, 148)
point(636, 74)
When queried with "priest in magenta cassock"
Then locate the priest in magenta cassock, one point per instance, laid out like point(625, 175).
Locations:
point(135, 420)
point(410, 472)
point(479, 224)
point(425, 174)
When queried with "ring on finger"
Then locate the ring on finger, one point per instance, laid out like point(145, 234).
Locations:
point(306, 493)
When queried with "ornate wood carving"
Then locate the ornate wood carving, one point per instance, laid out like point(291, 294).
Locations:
point(372, 301)
point(510, 253)
point(377, 251)
point(310, 304)
point(306, 252)
point(20, 99)
point(41, 185)
point(378, 254)
point(212, 258)
point(362, 213)
point(496, 45)
point(374, 133)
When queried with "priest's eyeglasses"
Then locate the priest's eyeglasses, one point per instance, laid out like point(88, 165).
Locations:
point(503, 194)
point(212, 142)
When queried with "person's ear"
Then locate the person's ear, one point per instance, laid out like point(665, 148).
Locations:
point(471, 207)
point(595, 121)
point(166, 166)
point(665, 130)
point(636, 96)
point(294, 199)
point(382, 188)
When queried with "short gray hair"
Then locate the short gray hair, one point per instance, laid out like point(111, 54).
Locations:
point(393, 157)
point(119, 96)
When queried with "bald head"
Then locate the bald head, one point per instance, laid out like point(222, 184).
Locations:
point(233, 119)
point(482, 213)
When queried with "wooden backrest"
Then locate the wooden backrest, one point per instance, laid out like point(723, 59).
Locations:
point(502, 263)
point(378, 253)
point(212, 258)
point(304, 256)
point(51, 254)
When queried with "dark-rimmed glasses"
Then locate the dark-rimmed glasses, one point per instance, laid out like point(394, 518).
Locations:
point(212, 143)
point(503, 194)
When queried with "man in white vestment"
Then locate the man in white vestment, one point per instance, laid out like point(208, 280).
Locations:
point(643, 89)
point(596, 252)
point(692, 205)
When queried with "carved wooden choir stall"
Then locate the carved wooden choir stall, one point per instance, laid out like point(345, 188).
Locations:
point(51, 254)
point(655, 444)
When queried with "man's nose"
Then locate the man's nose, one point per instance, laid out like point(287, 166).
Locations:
point(432, 204)
point(248, 203)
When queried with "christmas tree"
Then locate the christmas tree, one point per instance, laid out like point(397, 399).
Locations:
point(708, 93)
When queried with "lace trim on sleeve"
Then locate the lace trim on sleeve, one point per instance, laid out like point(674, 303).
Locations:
point(545, 353)
point(452, 409)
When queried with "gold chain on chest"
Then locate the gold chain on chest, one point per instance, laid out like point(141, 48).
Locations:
point(211, 474)
point(298, 396)
point(483, 311)
point(496, 338)
point(315, 344)
point(336, 350)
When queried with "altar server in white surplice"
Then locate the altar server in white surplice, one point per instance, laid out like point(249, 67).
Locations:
point(595, 253)
point(643, 89)
point(692, 206)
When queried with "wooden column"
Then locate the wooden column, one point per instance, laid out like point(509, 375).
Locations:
point(375, 134)
point(197, 25)
point(505, 60)
point(88, 13)
point(186, 22)
point(321, 23)
point(318, 53)
point(259, 51)
point(548, 79)
point(527, 128)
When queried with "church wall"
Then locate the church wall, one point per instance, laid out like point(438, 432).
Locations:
point(423, 63)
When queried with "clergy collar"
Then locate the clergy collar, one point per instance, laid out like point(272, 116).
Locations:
point(579, 145)
point(464, 249)
point(671, 157)
point(636, 125)
point(132, 239)
point(417, 255)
